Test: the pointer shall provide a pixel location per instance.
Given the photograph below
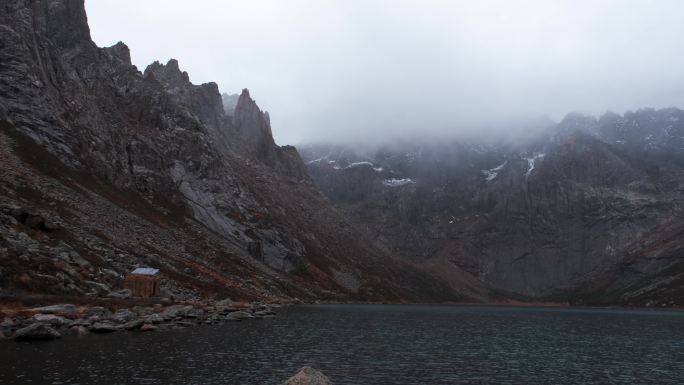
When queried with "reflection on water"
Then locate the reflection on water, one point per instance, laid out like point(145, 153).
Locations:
point(374, 344)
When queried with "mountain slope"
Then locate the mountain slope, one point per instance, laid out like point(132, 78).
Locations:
point(106, 168)
point(587, 211)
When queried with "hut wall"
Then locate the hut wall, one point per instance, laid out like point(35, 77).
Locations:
point(142, 285)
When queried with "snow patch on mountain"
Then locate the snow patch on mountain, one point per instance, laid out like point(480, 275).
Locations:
point(493, 172)
point(357, 164)
point(531, 162)
point(397, 182)
point(317, 160)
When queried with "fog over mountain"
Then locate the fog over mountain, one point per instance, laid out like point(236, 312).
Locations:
point(336, 70)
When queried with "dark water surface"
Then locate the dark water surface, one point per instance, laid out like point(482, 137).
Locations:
point(373, 345)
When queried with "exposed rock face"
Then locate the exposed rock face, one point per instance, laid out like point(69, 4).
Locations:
point(308, 376)
point(588, 211)
point(127, 169)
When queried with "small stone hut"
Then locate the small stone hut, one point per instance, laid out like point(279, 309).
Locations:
point(143, 282)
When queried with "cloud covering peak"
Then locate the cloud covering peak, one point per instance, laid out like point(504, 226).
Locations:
point(334, 70)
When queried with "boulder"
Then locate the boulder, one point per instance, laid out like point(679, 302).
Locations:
point(308, 376)
point(238, 315)
point(103, 327)
point(123, 315)
point(177, 311)
point(154, 319)
point(98, 311)
point(264, 313)
point(36, 332)
point(79, 322)
point(100, 289)
point(148, 328)
point(79, 330)
point(56, 309)
point(225, 302)
point(51, 319)
point(132, 325)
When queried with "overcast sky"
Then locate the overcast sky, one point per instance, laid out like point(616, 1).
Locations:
point(331, 70)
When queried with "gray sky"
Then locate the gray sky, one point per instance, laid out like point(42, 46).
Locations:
point(354, 69)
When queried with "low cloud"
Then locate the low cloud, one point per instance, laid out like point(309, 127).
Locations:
point(366, 70)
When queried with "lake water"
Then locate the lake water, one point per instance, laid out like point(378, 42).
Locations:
point(373, 345)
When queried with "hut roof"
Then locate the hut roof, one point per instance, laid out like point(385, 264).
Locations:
point(145, 271)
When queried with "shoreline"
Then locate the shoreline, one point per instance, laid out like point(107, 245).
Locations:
point(53, 321)
point(538, 305)
point(21, 320)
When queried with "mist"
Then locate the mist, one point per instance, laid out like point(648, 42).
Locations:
point(371, 70)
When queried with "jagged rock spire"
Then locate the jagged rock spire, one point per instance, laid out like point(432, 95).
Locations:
point(252, 124)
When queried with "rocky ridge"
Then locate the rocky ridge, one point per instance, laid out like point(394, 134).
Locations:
point(107, 168)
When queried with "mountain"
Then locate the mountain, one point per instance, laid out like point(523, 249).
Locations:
point(587, 211)
point(106, 168)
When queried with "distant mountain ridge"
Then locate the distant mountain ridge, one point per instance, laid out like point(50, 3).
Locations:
point(588, 211)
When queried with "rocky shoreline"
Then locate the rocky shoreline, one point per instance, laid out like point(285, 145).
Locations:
point(55, 321)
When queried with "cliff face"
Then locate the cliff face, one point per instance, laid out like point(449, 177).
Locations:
point(105, 168)
point(588, 211)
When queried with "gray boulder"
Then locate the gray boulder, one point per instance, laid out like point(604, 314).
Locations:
point(98, 311)
point(238, 316)
point(103, 327)
point(308, 376)
point(264, 313)
point(154, 319)
point(148, 328)
point(99, 288)
point(51, 319)
point(36, 332)
point(56, 309)
point(123, 315)
point(132, 325)
point(225, 302)
point(177, 311)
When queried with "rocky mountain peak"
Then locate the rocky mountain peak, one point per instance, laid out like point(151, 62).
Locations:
point(170, 74)
point(121, 52)
point(253, 125)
